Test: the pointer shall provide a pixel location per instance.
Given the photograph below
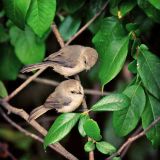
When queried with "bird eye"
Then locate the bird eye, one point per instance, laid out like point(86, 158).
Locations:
point(73, 92)
point(76, 92)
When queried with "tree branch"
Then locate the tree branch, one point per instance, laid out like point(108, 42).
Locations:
point(20, 112)
point(58, 35)
point(24, 131)
point(55, 83)
point(134, 138)
point(87, 24)
point(23, 85)
point(138, 130)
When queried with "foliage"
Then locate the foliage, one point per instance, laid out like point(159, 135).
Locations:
point(120, 35)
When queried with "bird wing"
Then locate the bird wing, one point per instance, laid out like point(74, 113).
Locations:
point(66, 57)
point(57, 101)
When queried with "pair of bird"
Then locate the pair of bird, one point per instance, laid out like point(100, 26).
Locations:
point(68, 61)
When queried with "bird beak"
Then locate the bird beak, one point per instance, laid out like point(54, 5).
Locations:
point(79, 92)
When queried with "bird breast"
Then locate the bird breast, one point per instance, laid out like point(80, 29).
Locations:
point(76, 102)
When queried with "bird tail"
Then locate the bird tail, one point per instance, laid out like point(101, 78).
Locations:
point(34, 67)
point(37, 112)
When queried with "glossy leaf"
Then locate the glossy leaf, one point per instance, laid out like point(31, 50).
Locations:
point(155, 3)
point(73, 6)
point(28, 48)
point(82, 120)
point(132, 26)
point(105, 147)
point(69, 27)
point(17, 10)
point(151, 113)
point(10, 65)
point(92, 129)
point(116, 158)
point(113, 102)
point(114, 3)
point(123, 8)
point(132, 67)
point(91, 9)
point(111, 43)
point(40, 15)
point(3, 34)
point(125, 120)
point(149, 10)
point(3, 91)
point(148, 69)
point(61, 127)
point(89, 146)
point(127, 6)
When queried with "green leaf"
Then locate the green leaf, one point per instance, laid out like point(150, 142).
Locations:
point(149, 10)
point(92, 129)
point(10, 65)
point(123, 7)
point(60, 128)
point(3, 91)
point(82, 120)
point(132, 26)
point(148, 66)
point(111, 43)
point(105, 147)
point(132, 67)
point(69, 27)
point(114, 3)
point(155, 3)
point(151, 113)
point(16, 10)
point(3, 34)
point(125, 120)
point(40, 15)
point(28, 48)
point(90, 10)
point(89, 146)
point(116, 158)
point(113, 102)
point(12, 136)
point(127, 6)
point(73, 6)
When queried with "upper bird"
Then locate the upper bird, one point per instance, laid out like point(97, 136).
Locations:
point(67, 97)
point(68, 61)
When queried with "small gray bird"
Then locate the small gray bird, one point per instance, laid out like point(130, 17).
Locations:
point(67, 97)
point(68, 61)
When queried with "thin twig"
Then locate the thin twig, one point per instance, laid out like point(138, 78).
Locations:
point(55, 83)
point(58, 35)
point(22, 130)
point(23, 85)
point(134, 138)
point(87, 24)
point(138, 130)
point(20, 112)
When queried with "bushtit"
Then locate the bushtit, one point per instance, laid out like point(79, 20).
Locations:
point(67, 97)
point(68, 61)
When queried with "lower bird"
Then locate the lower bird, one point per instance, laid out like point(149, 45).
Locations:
point(67, 97)
point(68, 61)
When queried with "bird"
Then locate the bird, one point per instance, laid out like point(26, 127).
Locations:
point(67, 97)
point(68, 61)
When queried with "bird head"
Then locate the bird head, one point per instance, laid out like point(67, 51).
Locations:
point(90, 57)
